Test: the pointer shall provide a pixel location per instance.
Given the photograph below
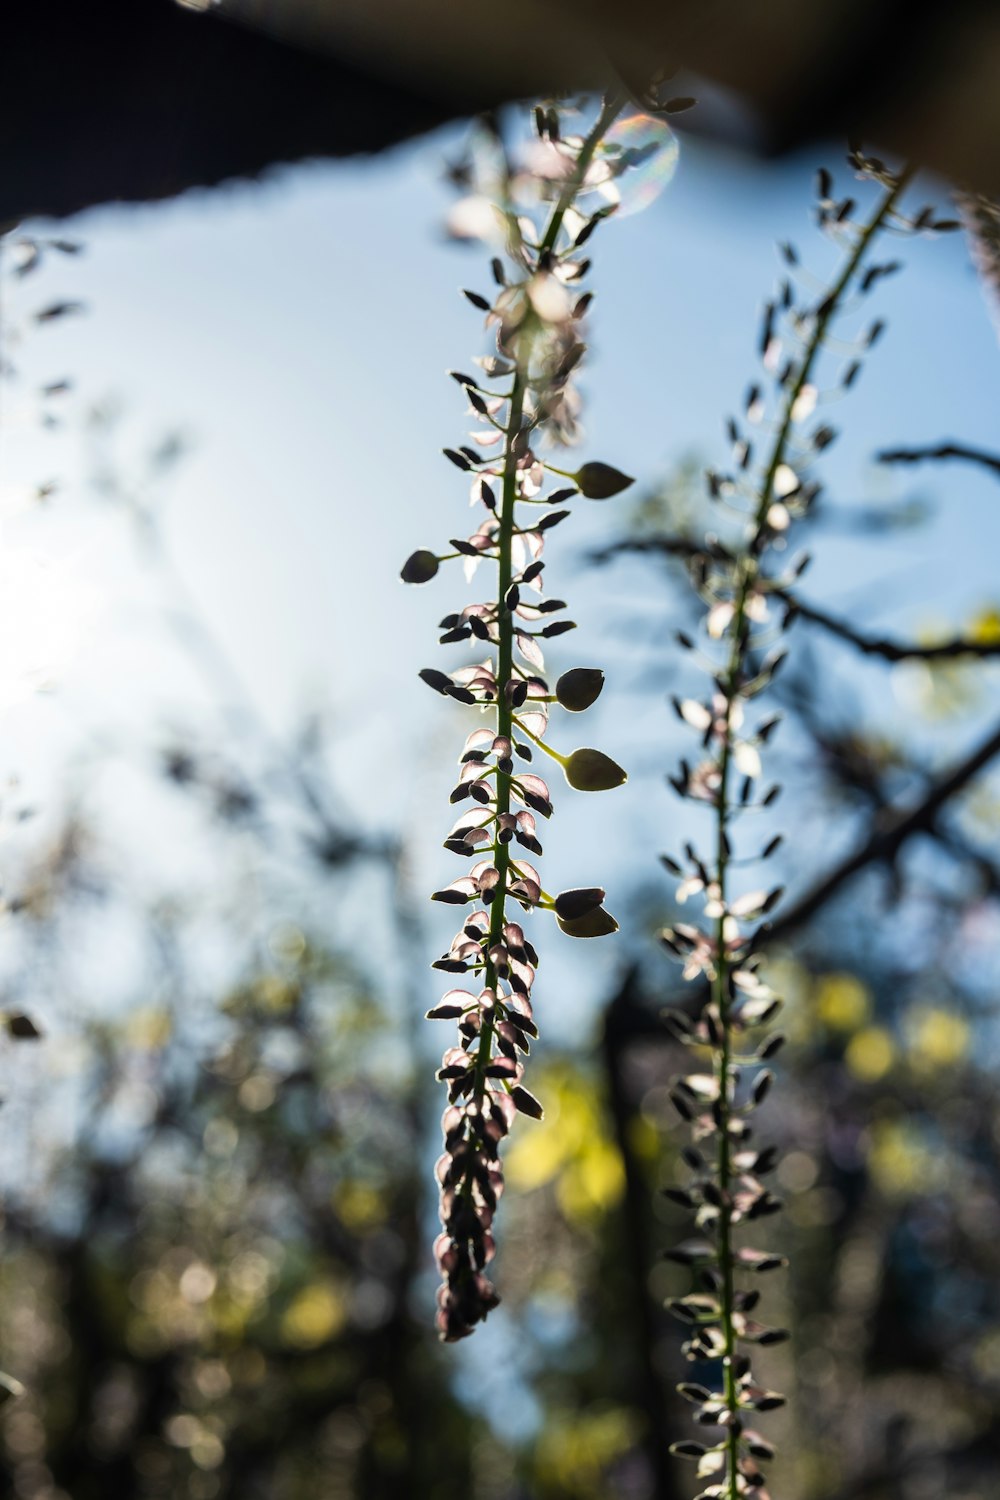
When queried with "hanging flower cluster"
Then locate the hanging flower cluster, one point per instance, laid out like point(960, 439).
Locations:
point(542, 213)
point(738, 581)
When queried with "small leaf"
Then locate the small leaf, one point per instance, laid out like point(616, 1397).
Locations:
point(759, 1260)
point(439, 681)
point(22, 1028)
point(761, 1086)
point(679, 1196)
point(458, 459)
point(57, 310)
point(10, 1389)
point(456, 894)
point(686, 1253)
point(696, 1394)
point(526, 1103)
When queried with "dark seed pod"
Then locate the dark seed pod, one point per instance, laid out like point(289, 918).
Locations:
point(596, 923)
point(761, 1087)
point(597, 481)
point(578, 688)
point(592, 771)
point(21, 1028)
point(419, 567)
point(439, 681)
point(577, 903)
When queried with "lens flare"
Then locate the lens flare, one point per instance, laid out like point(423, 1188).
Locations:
point(634, 163)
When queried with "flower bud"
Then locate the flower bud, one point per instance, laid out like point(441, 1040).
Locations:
point(526, 1102)
point(578, 903)
point(593, 771)
point(599, 481)
point(596, 923)
point(579, 688)
point(419, 567)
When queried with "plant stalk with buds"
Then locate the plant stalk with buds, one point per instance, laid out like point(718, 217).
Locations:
point(524, 397)
point(737, 582)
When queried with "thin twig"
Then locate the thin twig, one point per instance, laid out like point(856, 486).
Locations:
point(882, 846)
point(885, 843)
point(940, 451)
point(869, 645)
point(883, 646)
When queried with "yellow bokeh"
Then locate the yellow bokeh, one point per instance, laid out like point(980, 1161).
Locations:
point(937, 1038)
point(149, 1028)
point(644, 1139)
point(359, 1204)
point(899, 1161)
point(575, 1452)
point(570, 1147)
point(536, 1158)
point(984, 627)
point(274, 993)
point(229, 1315)
point(593, 1183)
point(986, 1354)
point(314, 1315)
point(841, 1001)
point(870, 1054)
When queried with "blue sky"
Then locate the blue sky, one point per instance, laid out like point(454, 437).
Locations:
point(299, 332)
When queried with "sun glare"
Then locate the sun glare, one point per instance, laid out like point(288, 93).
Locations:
point(46, 610)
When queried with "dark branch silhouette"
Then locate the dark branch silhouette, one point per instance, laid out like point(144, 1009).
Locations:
point(894, 829)
point(869, 645)
point(940, 452)
point(882, 646)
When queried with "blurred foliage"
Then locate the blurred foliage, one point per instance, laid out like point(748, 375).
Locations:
point(215, 1281)
point(218, 1188)
point(228, 1313)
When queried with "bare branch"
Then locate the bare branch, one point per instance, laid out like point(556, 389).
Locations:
point(882, 846)
point(940, 452)
point(886, 842)
point(882, 646)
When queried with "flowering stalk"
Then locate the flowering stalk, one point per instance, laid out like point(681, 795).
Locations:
point(525, 395)
point(735, 583)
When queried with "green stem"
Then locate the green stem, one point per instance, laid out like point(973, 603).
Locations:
point(610, 110)
point(505, 625)
point(748, 569)
point(505, 656)
point(562, 759)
